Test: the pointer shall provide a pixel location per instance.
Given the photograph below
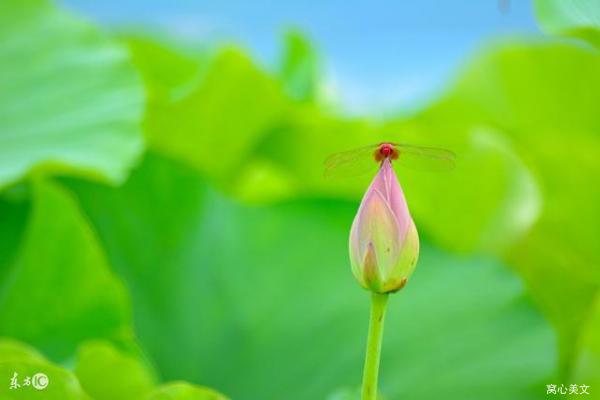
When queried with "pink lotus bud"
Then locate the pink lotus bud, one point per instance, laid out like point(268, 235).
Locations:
point(384, 244)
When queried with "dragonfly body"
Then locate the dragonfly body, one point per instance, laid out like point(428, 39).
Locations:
point(385, 150)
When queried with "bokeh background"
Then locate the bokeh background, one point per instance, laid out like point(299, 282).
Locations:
point(166, 231)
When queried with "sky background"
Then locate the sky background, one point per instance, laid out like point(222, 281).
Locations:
point(377, 56)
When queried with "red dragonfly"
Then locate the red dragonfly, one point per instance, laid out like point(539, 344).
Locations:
point(364, 159)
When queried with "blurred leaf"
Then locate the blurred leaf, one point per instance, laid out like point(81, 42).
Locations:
point(579, 18)
point(587, 364)
point(184, 391)
point(12, 349)
point(297, 150)
point(71, 292)
point(299, 69)
point(168, 74)
point(19, 358)
point(263, 181)
point(214, 125)
point(238, 285)
point(152, 274)
point(109, 374)
point(345, 394)
point(549, 116)
point(350, 394)
point(14, 210)
point(69, 98)
point(289, 160)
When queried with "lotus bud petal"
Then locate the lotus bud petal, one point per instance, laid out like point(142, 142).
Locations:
point(384, 244)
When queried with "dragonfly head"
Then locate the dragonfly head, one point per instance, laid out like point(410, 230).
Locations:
point(386, 150)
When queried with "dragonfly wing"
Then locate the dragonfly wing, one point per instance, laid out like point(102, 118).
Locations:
point(425, 158)
point(351, 163)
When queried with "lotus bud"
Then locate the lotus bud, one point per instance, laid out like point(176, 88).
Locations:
point(384, 244)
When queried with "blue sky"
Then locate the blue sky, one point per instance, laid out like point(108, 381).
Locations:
point(378, 55)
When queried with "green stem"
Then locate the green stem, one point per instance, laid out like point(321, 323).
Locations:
point(371, 370)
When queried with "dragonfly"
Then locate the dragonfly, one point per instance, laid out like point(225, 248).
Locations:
point(367, 158)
